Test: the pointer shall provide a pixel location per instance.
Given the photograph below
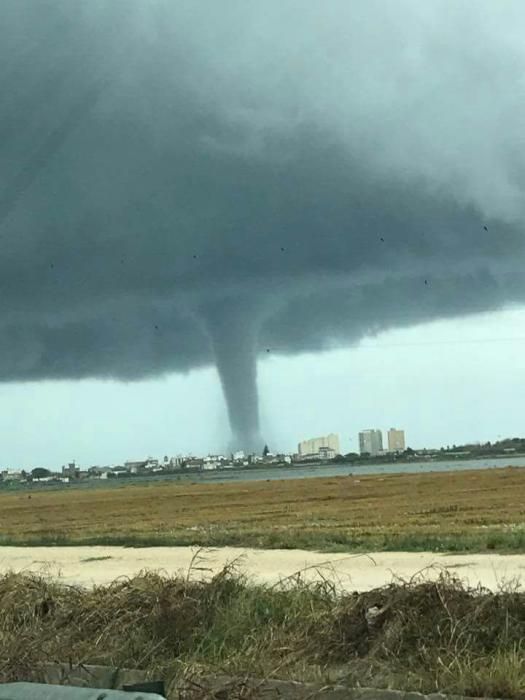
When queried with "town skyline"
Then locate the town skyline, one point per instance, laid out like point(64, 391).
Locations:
point(465, 384)
point(319, 450)
point(394, 454)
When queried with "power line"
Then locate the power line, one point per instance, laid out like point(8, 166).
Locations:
point(467, 341)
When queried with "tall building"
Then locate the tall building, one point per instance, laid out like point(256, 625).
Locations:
point(314, 445)
point(396, 440)
point(371, 442)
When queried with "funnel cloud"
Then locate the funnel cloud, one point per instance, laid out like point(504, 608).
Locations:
point(185, 184)
point(233, 335)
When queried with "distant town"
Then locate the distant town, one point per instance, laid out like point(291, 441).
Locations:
point(313, 451)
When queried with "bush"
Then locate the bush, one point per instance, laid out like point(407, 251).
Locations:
point(420, 635)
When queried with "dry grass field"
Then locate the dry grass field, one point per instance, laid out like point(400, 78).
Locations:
point(429, 636)
point(458, 511)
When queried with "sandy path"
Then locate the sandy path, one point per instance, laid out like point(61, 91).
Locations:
point(100, 565)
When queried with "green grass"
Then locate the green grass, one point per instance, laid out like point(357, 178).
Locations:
point(501, 541)
point(429, 636)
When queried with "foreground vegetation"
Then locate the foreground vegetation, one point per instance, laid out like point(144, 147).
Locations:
point(424, 636)
point(480, 510)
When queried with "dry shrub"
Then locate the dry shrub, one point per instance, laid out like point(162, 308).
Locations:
point(448, 634)
point(136, 623)
point(424, 634)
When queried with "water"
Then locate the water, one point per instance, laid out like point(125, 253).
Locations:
point(308, 472)
point(303, 472)
point(345, 469)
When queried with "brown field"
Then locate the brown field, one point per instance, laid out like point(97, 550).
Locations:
point(454, 510)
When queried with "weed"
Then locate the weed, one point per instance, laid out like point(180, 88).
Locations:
point(424, 636)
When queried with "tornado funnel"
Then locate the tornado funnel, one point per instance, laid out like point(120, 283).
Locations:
point(233, 335)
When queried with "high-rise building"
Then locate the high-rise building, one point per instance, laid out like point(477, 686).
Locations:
point(370, 442)
point(396, 440)
point(313, 446)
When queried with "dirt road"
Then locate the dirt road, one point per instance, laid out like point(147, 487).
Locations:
point(101, 565)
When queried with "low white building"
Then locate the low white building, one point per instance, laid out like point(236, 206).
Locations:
point(327, 453)
point(210, 466)
point(133, 466)
point(11, 476)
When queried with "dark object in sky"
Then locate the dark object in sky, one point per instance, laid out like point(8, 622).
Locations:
point(267, 349)
point(144, 145)
point(426, 281)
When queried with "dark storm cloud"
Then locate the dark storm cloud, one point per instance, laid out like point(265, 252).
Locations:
point(183, 183)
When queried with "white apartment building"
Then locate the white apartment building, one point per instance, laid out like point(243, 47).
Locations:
point(313, 446)
point(396, 440)
point(371, 442)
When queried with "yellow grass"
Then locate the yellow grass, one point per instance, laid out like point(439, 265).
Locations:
point(323, 513)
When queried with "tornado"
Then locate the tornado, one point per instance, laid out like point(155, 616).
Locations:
point(143, 176)
point(233, 333)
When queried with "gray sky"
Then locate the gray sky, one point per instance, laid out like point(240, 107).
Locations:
point(186, 185)
point(446, 382)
